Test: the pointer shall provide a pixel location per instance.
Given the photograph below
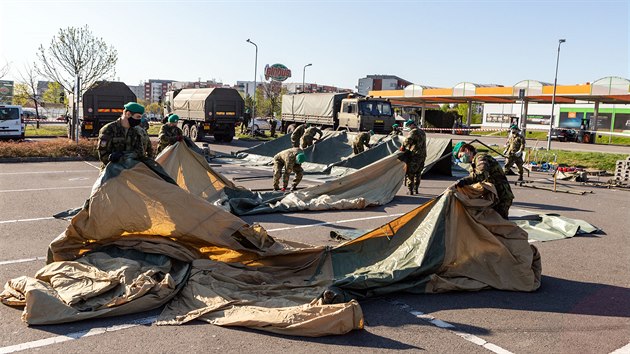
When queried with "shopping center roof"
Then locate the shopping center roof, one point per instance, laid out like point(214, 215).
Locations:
point(609, 89)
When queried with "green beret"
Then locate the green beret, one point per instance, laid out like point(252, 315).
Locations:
point(457, 148)
point(410, 121)
point(300, 157)
point(395, 126)
point(173, 118)
point(134, 107)
point(371, 132)
point(514, 126)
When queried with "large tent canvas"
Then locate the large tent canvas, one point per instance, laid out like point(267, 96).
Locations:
point(246, 278)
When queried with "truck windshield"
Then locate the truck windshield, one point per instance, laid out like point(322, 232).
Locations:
point(9, 113)
point(375, 108)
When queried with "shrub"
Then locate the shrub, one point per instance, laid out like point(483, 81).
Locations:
point(60, 147)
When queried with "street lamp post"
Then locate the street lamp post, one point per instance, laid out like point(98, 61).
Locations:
point(304, 76)
point(553, 97)
point(255, 73)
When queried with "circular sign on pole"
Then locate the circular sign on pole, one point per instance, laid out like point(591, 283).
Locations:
point(277, 72)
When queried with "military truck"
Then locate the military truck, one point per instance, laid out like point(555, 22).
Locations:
point(337, 111)
point(102, 103)
point(206, 111)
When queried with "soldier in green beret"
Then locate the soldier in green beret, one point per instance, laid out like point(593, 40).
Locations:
point(285, 162)
point(361, 141)
point(514, 148)
point(486, 169)
point(415, 147)
point(124, 136)
point(169, 133)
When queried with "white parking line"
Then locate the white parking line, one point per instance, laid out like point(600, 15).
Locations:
point(76, 335)
point(41, 189)
point(445, 325)
point(23, 260)
point(91, 165)
point(26, 220)
point(623, 350)
point(42, 172)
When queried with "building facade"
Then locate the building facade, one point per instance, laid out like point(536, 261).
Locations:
point(381, 83)
point(154, 90)
point(611, 118)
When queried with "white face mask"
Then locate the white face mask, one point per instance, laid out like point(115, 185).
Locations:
point(465, 158)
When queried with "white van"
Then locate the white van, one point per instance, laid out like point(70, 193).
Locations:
point(11, 122)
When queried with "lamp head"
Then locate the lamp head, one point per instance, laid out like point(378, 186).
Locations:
point(247, 40)
point(562, 40)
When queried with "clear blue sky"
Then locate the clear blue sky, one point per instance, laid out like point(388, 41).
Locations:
point(436, 43)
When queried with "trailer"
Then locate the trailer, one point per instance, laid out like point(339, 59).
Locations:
point(206, 111)
point(102, 103)
point(335, 111)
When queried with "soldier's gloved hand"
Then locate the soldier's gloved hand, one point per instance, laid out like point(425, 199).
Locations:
point(115, 156)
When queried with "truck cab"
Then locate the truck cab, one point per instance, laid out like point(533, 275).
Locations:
point(363, 114)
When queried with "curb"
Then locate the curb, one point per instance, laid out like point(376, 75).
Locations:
point(43, 159)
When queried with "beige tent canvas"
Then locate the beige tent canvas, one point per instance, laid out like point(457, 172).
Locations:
point(143, 240)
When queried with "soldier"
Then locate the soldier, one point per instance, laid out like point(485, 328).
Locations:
point(396, 130)
point(360, 141)
point(169, 133)
point(309, 136)
point(415, 146)
point(291, 160)
point(273, 124)
point(486, 169)
point(246, 118)
point(124, 135)
point(514, 151)
point(297, 134)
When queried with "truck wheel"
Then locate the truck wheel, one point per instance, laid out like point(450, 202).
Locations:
point(186, 130)
point(194, 133)
point(290, 128)
point(228, 138)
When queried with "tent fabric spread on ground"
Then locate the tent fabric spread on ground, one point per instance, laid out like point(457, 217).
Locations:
point(143, 240)
point(333, 153)
point(375, 184)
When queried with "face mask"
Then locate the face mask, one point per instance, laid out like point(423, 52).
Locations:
point(465, 158)
point(133, 122)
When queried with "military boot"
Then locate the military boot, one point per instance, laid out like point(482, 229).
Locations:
point(520, 178)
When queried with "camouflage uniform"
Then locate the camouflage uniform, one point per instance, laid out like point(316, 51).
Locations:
point(113, 137)
point(286, 159)
point(273, 124)
point(360, 141)
point(297, 135)
point(486, 169)
point(168, 136)
point(395, 132)
point(309, 135)
point(416, 145)
point(515, 143)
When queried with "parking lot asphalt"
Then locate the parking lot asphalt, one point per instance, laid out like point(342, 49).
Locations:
point(582, 306)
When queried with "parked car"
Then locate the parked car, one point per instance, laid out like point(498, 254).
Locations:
point(564, 134)
point(262, 124)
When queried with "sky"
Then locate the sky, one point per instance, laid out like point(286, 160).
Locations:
point(433, 43)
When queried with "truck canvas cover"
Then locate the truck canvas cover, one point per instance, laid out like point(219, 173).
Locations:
point(312, 104)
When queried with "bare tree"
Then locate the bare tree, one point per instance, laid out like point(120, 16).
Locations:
point(4, 70)
point(77, 53)
point(29, 79)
